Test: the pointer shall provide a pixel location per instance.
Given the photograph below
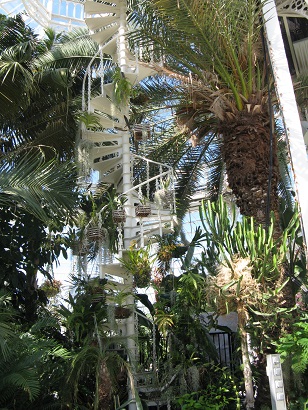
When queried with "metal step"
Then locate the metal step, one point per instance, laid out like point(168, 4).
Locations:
point(103, 151)
point(103, 104)
point(107, 164)
point(101, 136)
point(103, 35)
point(94, 7)
point(140, 73)
point(110, 123)
point(110, 48)
point(95, 23)
point(114, 177)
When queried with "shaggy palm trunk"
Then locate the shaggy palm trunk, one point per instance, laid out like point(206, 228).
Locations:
point(242, 320)
point(252, 166)
point(104, 388)
point(247, 148)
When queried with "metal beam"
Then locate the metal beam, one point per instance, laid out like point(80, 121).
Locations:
point(288, 107)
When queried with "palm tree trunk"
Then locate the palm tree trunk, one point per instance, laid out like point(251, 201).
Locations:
point(105, 387)
point(251, 162)
point(242, 319)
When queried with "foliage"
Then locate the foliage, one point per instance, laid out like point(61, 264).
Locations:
point(41, 84)
point(138, 263)
point(246, 265)
point(38, 197)
point(122, 87)
point(219, 392)
point(243, 262)
point(212, 79)
point(243, 238)
point(36, 184)
point(96, 211)
point(168, 247)
point(180, 301)
point(29, 249)
point(295, 346)
point(30, 365)
point(51, 287)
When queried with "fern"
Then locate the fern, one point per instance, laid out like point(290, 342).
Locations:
point(295, 345)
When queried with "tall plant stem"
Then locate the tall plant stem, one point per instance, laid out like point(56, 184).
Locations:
point(242, 319)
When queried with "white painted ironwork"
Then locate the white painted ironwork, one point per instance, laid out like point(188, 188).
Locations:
point(288, 107)
point(62, 15)
point(133, 176)
point(301, 55)
point(274, 373)
point(292, 7)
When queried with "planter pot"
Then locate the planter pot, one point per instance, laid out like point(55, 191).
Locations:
point(142, 280)
point(98, 294)
point(96, 233)
point(142, 132)
point(143, 210)
point(119, 216)
point(121, 312)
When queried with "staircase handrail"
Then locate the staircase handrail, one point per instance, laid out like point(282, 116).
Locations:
point(146, 182)
point(87, 74)
point(150, 160)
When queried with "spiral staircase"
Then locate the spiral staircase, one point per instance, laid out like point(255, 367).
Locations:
point(110, 155)
point(109, 147)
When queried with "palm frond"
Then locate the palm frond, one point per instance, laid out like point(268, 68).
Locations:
point(43, 188)
point(75, 52)
point(203, 37)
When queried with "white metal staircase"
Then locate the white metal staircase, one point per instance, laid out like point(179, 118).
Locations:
point(110, 154)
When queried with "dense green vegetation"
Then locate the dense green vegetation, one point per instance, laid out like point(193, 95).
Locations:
point(62, 355)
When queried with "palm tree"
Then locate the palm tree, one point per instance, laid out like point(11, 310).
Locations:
point(43, 188)
point(41, 85)
point(212, 51)
point(37, 199)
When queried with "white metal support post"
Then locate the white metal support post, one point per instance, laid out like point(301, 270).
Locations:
point(274, 373)
point(126, 135)
point(288, 107)
point(126, 162)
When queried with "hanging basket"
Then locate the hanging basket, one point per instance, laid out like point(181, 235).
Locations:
point(98, 295)
point(142, 279)
point(143, 210)
point(119, 216)
point(142, 132)
point(96, 233)
point(121, 312)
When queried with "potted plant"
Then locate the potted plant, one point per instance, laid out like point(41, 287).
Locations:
point(164, 196)
point(77, 241)
point(96, 288)
point(179, 250)
point(138, 263)
point(94, 230)
point(122, 87)
point(119, 300)
point(118, 214)
point(142, 132)
point(143, 209)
